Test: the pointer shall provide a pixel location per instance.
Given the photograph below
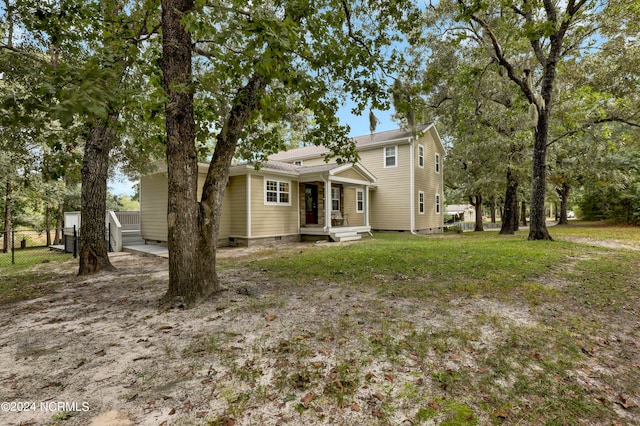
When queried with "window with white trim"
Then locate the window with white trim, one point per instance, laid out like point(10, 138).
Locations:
point(437, 203)
point(277, 192)
point(335, 198)
point(359, 201)
point(421, 202)
point(420, 156)
point(437, 163)
point(391, 156)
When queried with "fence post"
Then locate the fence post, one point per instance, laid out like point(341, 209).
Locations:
point(75, 242)
point(13, 247)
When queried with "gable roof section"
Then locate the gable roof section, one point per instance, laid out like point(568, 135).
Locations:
point(362, 143)
point(280, 168)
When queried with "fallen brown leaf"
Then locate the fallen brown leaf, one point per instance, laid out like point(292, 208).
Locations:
point(625, 402)
point(502, 415)
point(307, 399)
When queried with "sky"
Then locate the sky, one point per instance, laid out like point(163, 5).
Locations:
point(359, 127)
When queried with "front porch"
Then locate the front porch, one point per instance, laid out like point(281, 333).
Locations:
point(334, 201)
point(337, 233)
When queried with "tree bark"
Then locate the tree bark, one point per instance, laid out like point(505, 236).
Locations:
point(59, 224)
point(523, 213)
point(47, 223)
point(210, 213)
point(563, 193)
point(94, 255)
point(476, 201)
point(537, 224)
point(510, 217)
point(187, 277)
point(6, 242)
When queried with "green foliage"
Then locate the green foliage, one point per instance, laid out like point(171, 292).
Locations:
point(312, 56)
point(480, 95)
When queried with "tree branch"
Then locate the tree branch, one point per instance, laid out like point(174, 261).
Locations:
point(586, 126)
point(23, 53)
point(359, 40)
point(502, 59)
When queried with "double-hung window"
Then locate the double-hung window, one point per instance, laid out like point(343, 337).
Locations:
point(420, 156)
point(390, 156)
point(335, 198)
point(437, 163)
point(359, 201)
point(421, 202)
point(437, 203)
point(277, 192)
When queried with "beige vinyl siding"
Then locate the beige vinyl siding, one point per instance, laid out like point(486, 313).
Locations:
point(234, 208)
point(390, 202)
point(351, 174)
point(349, 198)
point(153, 207)
point(273, 220)
point(349, 207)
point(430, 182)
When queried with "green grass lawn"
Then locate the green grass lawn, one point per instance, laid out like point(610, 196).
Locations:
point(18, 281)
point(572, 298)
point(451, 329)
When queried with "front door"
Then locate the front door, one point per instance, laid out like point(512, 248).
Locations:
point(311, 204)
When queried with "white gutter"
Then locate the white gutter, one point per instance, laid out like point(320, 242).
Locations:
point(442, 190)
point(249, 205)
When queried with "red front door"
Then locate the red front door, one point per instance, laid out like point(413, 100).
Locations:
point(311, 204)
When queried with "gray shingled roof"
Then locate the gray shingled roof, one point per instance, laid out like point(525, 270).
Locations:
point(319, 168)
point(361, 142)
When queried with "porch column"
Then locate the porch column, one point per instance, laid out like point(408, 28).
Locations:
point(327, 204)
point(366, 205)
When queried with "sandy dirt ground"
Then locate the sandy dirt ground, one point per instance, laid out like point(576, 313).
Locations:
point(97, 351)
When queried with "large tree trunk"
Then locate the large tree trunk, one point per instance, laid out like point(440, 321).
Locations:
point(94, 255)
point(537, 220)
point(510, 217)
point(563, 193)
point(187, 277)
point(6, 242)
point(476, 201)
point(245, 101)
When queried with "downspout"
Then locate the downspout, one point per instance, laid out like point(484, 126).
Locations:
point(248, 209)
point(412, 184)
point(367, 209)
point(442, 191)
point(299, 216)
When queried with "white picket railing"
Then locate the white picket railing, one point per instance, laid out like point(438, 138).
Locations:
point(114, 231)
point(115, 223)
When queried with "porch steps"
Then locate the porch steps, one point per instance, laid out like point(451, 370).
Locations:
point(342, 236)
point(132, 237)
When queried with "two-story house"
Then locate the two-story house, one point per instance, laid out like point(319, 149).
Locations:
point(396, 185)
